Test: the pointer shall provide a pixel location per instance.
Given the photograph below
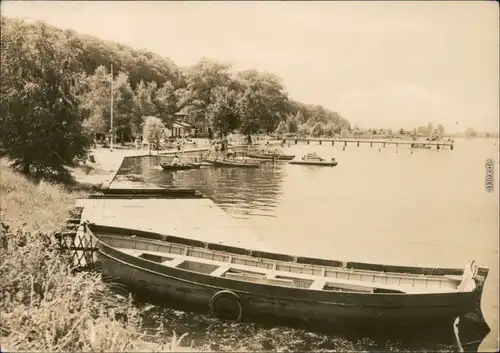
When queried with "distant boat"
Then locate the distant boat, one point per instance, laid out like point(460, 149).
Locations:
point(232, 163)
point(236, 283)
point(272, 156)
point(174, 167)
point(314, 159)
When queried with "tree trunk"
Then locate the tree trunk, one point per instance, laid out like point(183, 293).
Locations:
point(26, 169)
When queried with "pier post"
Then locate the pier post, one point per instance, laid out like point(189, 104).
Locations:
point(333, 143)
point(371, 144)
point(308, 141)
point(358, 143)
point(296, 141)
point(345, 143)
point(397, 144)
point(451, 147)
point(438, 146)
point(320, 142)
point(384, 144)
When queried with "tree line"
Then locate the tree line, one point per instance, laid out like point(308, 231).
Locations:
point(56, 94)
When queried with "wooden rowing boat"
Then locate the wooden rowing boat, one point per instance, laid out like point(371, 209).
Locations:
point(232, 163)
point(317, 163)
point(314, 159)
point(235, 283)
point(187, 166)
point(272, 156)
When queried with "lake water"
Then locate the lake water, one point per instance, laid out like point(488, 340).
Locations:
point(382, 205)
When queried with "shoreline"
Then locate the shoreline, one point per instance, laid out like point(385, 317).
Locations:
point(102, 172)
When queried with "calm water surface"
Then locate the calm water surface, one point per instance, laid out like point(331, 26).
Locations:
point(429, 208)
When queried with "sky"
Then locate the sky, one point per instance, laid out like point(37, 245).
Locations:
point(378, 64)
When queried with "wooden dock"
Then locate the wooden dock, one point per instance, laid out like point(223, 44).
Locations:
point(384, 142)
point(193, 218)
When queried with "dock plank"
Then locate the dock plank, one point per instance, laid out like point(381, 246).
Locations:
point(198, 219)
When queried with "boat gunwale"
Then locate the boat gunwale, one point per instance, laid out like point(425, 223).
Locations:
point(438, 271)
point(286, 293)
point(310, 266)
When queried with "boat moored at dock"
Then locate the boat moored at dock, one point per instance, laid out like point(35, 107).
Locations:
point(240, 163)
point(314, 159)
point(175, 167)
point(272, 156)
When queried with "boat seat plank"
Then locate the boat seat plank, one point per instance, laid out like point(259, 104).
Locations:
point(174, 263)
point(220, 271)
point(450, 278)
point(272, 281)
point(132, 252)
point(454, 278)
point(265, 272)
point(318, 284)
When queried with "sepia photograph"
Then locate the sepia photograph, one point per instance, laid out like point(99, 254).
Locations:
point(249, 176)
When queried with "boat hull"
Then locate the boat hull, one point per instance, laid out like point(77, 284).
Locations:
point(276, 157)
point(231, 164)
point(169, 167)
point(316, 163)
point(198, 289)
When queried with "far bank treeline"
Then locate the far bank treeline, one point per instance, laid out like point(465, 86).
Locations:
point(56, 94)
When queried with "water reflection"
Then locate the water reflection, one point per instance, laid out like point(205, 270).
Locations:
point(243, 192)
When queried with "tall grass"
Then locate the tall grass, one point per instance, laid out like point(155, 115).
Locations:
point(44, 306)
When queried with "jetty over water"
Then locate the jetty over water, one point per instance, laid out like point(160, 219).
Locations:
point(194, 218)
point(437, 144)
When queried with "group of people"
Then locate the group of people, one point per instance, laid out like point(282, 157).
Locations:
point(219, 147)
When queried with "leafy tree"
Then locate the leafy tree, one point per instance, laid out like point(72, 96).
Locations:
point(165, 99)
point(440, 129)
point(41, 128)
point(143, 104)
point(263, 103)
point(223, 112)
point(401, 131)
point(282, 128)
point(153, 130)
point(304, 130)
point(95, 102)
point(201, 82)
point(291, 123)
point(329, 130)
point(318, 129)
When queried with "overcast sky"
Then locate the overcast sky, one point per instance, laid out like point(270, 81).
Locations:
point(379, 64)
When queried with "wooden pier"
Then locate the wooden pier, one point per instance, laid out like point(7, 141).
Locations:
point(193, 218)
point(384, 142)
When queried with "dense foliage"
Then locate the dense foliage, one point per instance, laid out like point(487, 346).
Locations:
point(56, 91)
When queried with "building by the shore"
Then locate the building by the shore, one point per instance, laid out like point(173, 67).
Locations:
point(180, 129)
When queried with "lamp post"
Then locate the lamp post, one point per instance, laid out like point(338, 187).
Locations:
point(112, 130)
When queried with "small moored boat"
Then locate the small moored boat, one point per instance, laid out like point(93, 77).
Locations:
point(272, 156)
point(235, 283)
point(232, 163)
point(173, 167)
point(314, 159)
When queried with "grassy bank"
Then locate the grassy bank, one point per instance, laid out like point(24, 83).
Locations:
point(44, 306)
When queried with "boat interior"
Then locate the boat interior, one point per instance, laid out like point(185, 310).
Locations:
point(246, 266)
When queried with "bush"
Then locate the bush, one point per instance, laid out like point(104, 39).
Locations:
point(44, 306)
